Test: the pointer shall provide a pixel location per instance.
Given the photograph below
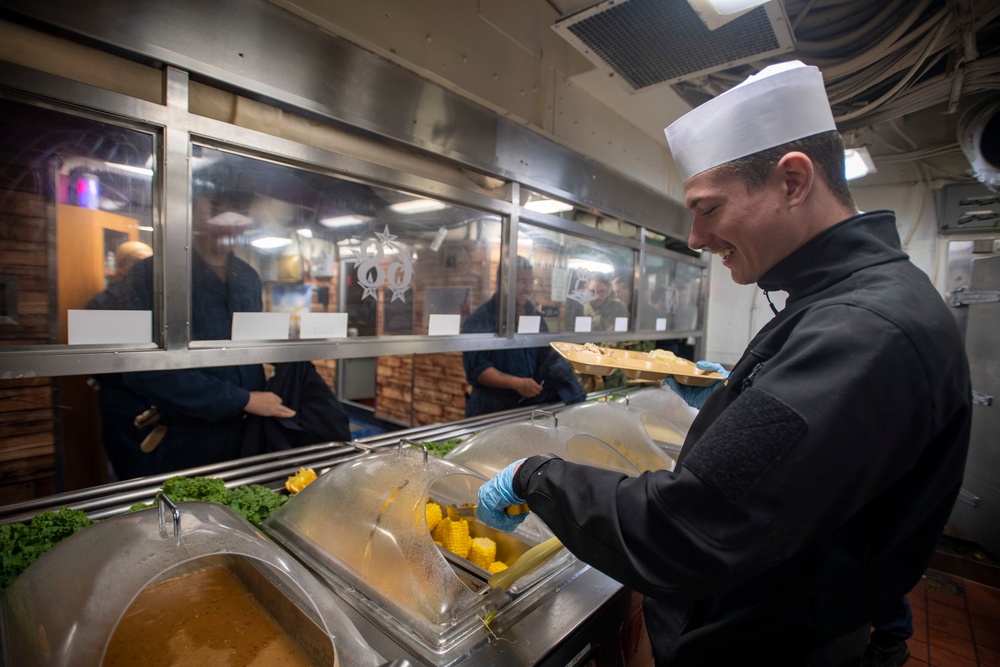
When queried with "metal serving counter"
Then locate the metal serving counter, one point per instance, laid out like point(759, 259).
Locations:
point(583, 617)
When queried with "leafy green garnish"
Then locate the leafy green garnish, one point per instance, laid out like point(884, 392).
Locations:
point(21, 544)
point(443, 447)
point(253, 502)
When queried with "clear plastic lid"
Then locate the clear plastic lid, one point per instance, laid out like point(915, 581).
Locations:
point(664, 401)
point(363, 527)
point(491, 450)
point(65, 607)
point(648, 440)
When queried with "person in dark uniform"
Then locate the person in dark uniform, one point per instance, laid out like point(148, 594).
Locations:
point(512, 378)
point(202, 409)
point(814, 484)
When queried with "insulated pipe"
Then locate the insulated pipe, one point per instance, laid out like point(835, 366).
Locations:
point(979, 136)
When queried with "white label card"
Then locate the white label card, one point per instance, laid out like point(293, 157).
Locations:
point(444, 325)
point(323, 325)
point(91, 327)
point(529, 324)
point(260, 326)
point(621, 324)
point(582, 324)
point(661, 324)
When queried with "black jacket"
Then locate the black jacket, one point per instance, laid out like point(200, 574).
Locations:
point(813, 486)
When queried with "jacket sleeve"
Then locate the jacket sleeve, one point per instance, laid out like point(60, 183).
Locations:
point(796, 455)
point(201, 394)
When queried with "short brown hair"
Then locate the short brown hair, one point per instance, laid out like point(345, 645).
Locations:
point(825, 149)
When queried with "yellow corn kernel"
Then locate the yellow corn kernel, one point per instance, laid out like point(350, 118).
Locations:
point(455, 536)
point(433, 513)
point(300, 480)
point(482, 551)
point(497, 566)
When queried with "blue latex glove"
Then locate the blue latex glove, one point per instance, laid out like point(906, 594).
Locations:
point(696, 396)
point(495, 496)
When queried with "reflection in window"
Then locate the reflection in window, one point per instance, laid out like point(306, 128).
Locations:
point(670, 297)
point(580, 284)
point(97, 179)
point(327, 257)
point(539, 203)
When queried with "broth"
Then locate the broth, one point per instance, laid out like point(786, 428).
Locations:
point(204, 617)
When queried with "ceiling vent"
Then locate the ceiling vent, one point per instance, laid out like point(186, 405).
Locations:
point(646, 43)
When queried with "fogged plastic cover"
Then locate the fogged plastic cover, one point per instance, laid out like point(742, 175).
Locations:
point(64, 608)
point(648, 440)
point(664, 401)
point(363, 526)
point(491, 450)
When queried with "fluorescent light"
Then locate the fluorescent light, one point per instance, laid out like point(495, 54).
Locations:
point(142, 171)
point(590, 265)
point(417, 206)
point(141, 228)
point(344, 220)
point(548, 206)
point(717, 13)
point(727, 7)
point(270, 242)
point(305, 232)
point(857, 163)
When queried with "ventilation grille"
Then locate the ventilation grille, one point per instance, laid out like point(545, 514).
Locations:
point(651, 42)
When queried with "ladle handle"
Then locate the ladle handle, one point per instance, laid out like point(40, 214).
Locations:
point(530, 560)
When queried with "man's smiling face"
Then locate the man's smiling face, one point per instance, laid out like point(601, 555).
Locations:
point(749, 231)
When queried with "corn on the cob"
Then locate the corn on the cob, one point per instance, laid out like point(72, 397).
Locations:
point(482, 551)
point(496, 566)
point(455, 536)
point(434, 514)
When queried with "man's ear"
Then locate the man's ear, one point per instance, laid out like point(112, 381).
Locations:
point(797, 172)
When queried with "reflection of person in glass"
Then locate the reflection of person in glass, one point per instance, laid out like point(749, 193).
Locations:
point(202, 409)
point(511, 378)
point(605, 307)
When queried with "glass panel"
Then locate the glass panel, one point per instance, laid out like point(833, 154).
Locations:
point(577, 281)
point(328, 257)
point(534, 201)
point(76, 212)
point(670, 297)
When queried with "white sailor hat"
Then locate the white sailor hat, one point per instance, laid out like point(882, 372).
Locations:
point(782, 103)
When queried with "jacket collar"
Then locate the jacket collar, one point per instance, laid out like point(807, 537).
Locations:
point(861, 241)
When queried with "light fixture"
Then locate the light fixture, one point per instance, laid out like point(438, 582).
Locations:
point(548, 206)
point(142, 171)
point(590, 265)
point(305, 232)
point(716, 13)
point(417, 206)
point(344, 220)
point(270, 242)
point(857, 163)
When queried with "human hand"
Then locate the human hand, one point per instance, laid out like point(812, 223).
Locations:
point(696, 396)
point(495, 496)
point(267, 404)
point(528, 388)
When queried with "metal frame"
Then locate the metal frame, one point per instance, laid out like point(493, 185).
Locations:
point(179, 128)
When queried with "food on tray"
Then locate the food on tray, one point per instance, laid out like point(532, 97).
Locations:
point(434, 514)
point(300, 480)
point(482, 552)
point(662, 355)
point(590, 348)
point(454, 536)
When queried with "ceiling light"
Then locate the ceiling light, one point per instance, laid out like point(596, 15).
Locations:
point(142, 171)
point(716, 13)
point(590, 265)
point(344, 220)
point(417, 206)
point(270, 242)
point(548, 206)
point(305, 232)
point(857, 163)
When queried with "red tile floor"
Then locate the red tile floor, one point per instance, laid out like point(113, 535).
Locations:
point(956, 622)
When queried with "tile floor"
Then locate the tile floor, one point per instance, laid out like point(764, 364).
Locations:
point(956, 623)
